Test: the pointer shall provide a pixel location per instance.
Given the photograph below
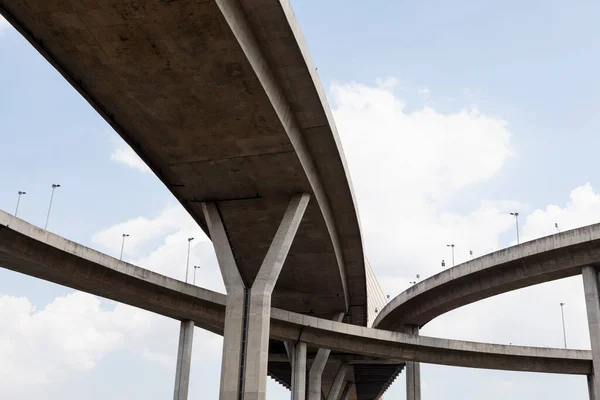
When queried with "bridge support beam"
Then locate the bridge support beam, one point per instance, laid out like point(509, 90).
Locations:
point(316, 369)
point(248, 309)
point(338, 382)
point(413, 372)
point(297, 353)
point(346, 392)
point(592, 304)
point(184, 360)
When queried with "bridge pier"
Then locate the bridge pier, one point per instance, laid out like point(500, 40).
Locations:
point(592, 304)
point(338, 382)
point(184, 360)
point(413, 372)
point(297, 354)
point(316, 370)
point(248, 309)
point(346, 392)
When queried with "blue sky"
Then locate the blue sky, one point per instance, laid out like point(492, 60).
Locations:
point(510, 88)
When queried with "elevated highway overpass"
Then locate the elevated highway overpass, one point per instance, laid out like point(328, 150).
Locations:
point(30, 250)
point(222, 101)
point(542, 260)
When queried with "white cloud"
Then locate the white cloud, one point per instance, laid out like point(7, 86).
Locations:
point(69, 335)
point(123, 154)
point(583, 208)
point(406, 167)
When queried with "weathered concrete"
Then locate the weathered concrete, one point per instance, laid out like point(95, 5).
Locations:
point(233, 336)
point(592, 303)
point(184, 360)
point(30, 250)
point(346, 392)
point(250, 313)
point(542, 260)
point(316, 369)
point(338, 382)
point(591, 387)
point(299, 371)
point(413, 372)
point(221, 100)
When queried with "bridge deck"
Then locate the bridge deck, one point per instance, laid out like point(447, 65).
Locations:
point(221, 100)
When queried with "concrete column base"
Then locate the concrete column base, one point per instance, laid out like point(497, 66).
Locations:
point(413, 372)
point(338, 382)
point(298, 362)
point(248, 314)
point(184, 360)
point(592, 305)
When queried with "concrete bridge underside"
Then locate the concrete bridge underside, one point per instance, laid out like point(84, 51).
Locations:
point(221, 100)
point(33, 251)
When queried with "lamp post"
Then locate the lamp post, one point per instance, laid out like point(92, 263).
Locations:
point(451, 246)
point(471, 254)
point(195, 268)
point(123, 244)
point(54, 186)
point(556, 226)
point(563, 323)
point(187, 265)
point(18, 201)
point(516, 215)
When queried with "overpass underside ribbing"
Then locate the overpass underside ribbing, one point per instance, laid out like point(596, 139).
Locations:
point(218, 99)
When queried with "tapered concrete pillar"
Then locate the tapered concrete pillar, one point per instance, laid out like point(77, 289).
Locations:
point(248, 312)
point(338, 382)
point(413, 372)
point(590, 381)
point(592, 304)
point(184, 360)
point(298, 362)
point(316, 370)
point(346, 392)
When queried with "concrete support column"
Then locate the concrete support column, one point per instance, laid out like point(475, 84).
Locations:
point(317, 367)
point(338, 382)
point(184, 360)
point(413, 372)
point(346, 392)
point(590, 381)
point(248, 313)
point(298, 362)
point(592, 304)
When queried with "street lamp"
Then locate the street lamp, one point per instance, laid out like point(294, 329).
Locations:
point(187, 265)
point(122, 245)
point(195, 268)
point(471, 254)
point(18, 201)
point(54, 186)
point(556, 226)
point(452, 246)
point(563, 323)
point(516, 215)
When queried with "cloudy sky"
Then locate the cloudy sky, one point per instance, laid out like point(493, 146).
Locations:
point(451, 115)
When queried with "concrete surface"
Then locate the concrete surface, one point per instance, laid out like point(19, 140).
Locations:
point(338, 382)
point(184, 360)
point(299, 372)
point(592, 303)
point(413, 372)
point(28, 249)
point(252, 315)
point(542, 260)
point(221, 100)
point(315, 373)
